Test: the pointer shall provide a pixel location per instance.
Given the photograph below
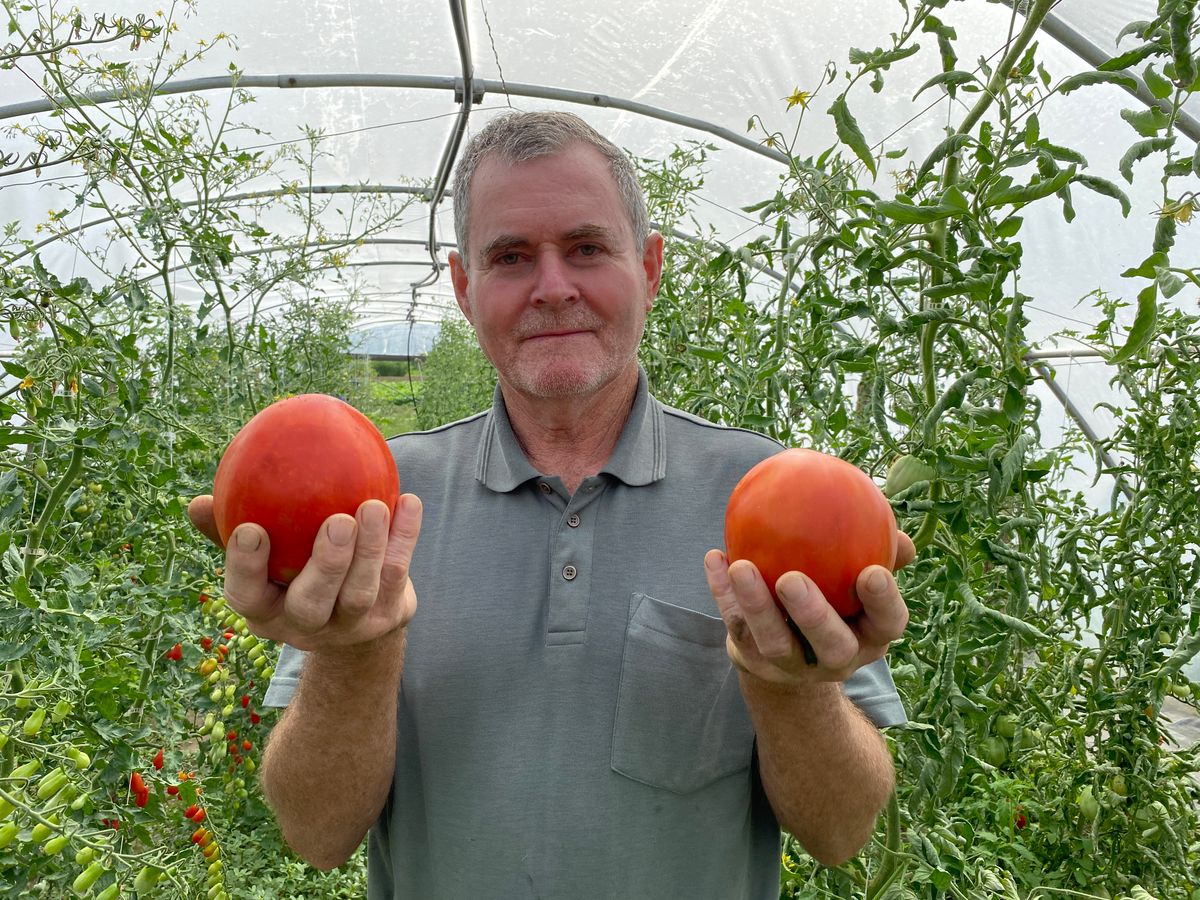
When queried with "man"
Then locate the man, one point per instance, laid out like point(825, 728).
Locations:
point(568, 715)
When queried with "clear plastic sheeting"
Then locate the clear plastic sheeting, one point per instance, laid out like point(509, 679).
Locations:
point(717, 61)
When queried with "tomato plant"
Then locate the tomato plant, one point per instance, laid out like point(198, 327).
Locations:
point(809, 511)
point(292, 466)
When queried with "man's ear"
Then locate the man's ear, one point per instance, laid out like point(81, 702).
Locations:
point(460, 279)
point(652, 263)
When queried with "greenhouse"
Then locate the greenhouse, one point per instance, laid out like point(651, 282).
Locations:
point(950, 242)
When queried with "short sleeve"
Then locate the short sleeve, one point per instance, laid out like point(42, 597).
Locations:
point(872, 690)
point(286, 678)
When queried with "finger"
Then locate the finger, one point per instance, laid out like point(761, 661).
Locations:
point(200, 511)
point(247, 588)
point(884, 614)
point(906, 551)
point(361, 585)
point(765, 620)
point(716, 571)
point(402, 541)
point(832, 640)
point(313, 593)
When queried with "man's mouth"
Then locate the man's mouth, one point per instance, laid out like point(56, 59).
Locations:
point(555, 334)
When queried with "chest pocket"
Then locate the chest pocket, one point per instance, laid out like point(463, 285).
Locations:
point(681, 723)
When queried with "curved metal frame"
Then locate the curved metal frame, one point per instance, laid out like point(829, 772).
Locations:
point(470, 90)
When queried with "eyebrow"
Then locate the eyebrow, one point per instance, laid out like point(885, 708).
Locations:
point(506, 242)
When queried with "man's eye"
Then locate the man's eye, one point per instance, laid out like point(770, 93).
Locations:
point(588, 249)
point(508, 259)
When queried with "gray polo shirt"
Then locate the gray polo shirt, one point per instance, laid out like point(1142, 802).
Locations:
point(569, 723)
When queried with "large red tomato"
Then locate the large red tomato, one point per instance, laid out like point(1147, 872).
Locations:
point(813, 513)
point(292, 466)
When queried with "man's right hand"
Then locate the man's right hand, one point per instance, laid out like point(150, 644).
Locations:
point(354, 589)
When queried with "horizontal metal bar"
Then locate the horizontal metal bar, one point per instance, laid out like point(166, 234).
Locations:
point(424, 82)
point(1063, 354)
point(237, 198)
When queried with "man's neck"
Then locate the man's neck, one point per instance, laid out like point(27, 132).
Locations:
point(570, 438)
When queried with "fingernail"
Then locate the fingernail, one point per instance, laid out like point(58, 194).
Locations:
point(373, 514)
point(742, 577)
point(877, 582)
point(247, 539)
point(795, 587)
point(340, 531)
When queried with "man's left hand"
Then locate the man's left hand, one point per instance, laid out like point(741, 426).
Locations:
point(763, 643)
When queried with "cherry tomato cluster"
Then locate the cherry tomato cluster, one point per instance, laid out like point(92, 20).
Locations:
point(233, 743)
point(49, 802)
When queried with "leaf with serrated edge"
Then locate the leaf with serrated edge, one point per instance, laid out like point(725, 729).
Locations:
point(850, 134)
point(1143, 325)
point(1108, 189)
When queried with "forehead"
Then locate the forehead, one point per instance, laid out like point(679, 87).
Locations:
point(564, 190)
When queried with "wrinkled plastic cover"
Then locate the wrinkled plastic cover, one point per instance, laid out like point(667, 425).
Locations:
point(722, 61)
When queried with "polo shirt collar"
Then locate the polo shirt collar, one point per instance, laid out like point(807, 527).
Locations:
point(639, 458)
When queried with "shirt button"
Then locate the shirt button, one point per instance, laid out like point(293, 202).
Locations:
point(569, 573)
point(544, 488)
point(573, 520)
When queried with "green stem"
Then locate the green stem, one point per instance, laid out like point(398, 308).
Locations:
point(924, 536)
point(34, 542)
point(156, 629)
point(937, 236)
point(889, 870)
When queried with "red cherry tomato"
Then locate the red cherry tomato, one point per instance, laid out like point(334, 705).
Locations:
point(292, 466)
point(814, 513)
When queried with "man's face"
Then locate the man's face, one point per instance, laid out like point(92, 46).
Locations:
point(556, 289)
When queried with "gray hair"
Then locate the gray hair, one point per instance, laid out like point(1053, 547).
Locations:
point(520, 136)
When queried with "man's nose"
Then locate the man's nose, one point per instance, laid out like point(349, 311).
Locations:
point(553, 280)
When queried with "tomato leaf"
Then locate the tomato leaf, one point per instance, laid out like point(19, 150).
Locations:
point(1012, 623)
point(952, 203)
point(1035, 190)
point(1140, 151)
point(706, 353)
point(880, 58)
point(1083, 79)
point(1146, 122)
point(1013, 462)
point(1108, 189)
point(1169, 283)
point(1129, 58)
point(1140, 28)
point(978, 286)
point(948, 147)
point(10, 650)
point(850, 134)
point(951, 399)
point(1184, 654)
point(1143, 325)
point(951, 80)
point(1149, 267)
point(1181, 43)
point(1159, 86)
point(1164, 234)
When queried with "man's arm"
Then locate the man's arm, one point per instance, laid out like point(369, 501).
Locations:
point(825, 768)
point(824, 765)
point(329, 762)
